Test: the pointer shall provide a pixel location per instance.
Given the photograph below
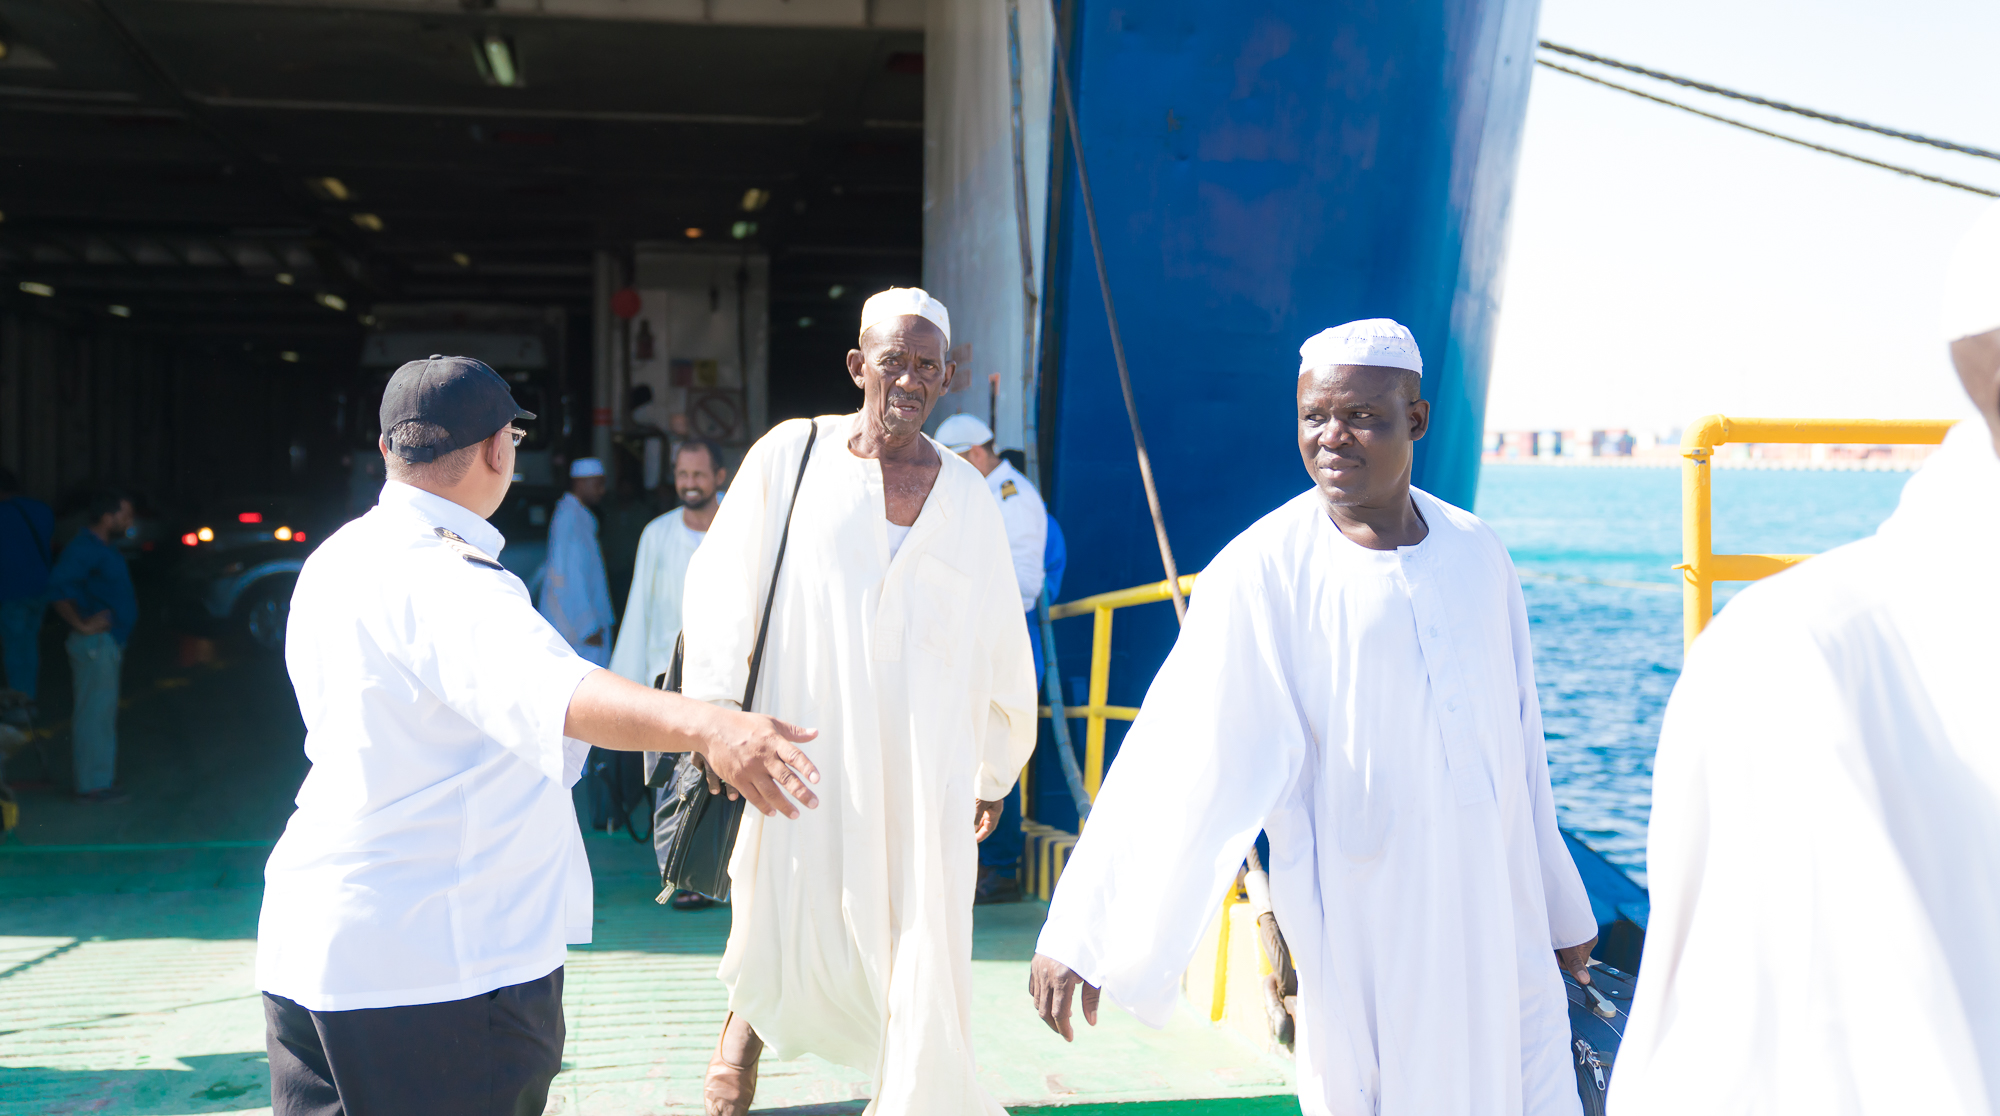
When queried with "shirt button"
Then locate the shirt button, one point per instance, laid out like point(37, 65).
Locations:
point(1451, 707)
point(1434, 631)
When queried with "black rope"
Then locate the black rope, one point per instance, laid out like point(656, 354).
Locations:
point(1781, 106)
point(1117, 343)
point(1970, 189)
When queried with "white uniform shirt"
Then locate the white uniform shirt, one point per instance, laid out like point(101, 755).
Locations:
point(1027, 520)
point(435, 853)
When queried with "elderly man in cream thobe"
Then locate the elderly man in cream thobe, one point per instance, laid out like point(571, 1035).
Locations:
point(897, 631)
point(1354, 678)
point(1824, 852)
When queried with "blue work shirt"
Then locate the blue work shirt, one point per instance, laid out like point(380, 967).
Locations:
point(25, 529)
point(92, 576)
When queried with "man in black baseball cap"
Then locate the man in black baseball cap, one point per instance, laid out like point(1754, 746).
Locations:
point(418, 907)
point(462, 400)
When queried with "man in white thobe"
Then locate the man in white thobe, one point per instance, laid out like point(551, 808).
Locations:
point(1824, 853)
point(575, 595)
point(1354, 679)
point(897, 631)
point(653, 610)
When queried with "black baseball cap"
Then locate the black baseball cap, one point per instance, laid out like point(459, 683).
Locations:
point(462, 395)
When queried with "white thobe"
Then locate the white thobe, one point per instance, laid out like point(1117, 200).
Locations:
point(1027, 520)
point(653, 609)
point(852, 929)
point(575, 595)
point(1375, 713)
point(1824, 852)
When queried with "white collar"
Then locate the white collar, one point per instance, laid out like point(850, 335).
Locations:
point(440, 512)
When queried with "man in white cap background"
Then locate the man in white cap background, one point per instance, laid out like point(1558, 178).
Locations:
point(1353, 679)
point(1842, 712)
point(418, 908)
point(1027, 520)
point(575, 594)
point(897, 629)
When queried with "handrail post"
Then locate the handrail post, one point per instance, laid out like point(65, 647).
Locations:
point(1100, 695)
point(1697, 524)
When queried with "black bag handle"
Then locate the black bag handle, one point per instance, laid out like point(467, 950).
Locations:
point(771, 595)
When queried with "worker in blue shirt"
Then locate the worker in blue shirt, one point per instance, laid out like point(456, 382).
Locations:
point(91, 590)
point(26, 527)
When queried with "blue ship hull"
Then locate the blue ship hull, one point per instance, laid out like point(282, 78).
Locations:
point(1261, 171)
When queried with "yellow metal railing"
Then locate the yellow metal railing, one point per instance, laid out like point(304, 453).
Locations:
point(1700, 566)
point(1097, 712)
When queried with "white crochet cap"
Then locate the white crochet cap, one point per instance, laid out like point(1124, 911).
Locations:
point(1972, 281)
point(962, 432)
point(585, 467)
point(1373, 341)
point(898, 301)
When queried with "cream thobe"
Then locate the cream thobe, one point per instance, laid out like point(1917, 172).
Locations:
point(653, 609)
point(852, 930)
point(1375, 713)
point(1824, 852)
point(575, 596)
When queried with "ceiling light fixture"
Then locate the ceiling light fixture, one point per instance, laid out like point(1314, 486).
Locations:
point(285, 277)
point(742, 230)
point(289, 357)
point(118, 311)
point(834, 292)
point(755, 199)
point(461, 259)
point(692, 234)
point(330, 186)
point(499, 57)
point(42, 289)
point(368, 221)
point(330, 301)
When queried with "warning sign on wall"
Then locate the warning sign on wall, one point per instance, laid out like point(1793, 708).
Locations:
point(718, 414)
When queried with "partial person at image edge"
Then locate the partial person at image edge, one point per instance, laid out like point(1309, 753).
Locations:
point(1824, 850)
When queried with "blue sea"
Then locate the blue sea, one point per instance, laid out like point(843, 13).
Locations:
point(1607, 655)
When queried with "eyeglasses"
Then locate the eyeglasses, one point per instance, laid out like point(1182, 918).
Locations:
point(518, 434)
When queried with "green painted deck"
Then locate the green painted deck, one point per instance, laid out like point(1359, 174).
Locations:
point(127, 954)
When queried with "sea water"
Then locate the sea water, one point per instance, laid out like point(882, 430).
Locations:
point(1596, 549)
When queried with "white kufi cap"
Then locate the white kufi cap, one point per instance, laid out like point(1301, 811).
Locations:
point(898, 301)
point(1972, 281)
point(1374, 341)
point(962, 432)
point(586, 467)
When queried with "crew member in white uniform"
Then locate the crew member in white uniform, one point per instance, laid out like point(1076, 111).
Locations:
point(1027, 520)
point(1354, 678)
point(418, 907)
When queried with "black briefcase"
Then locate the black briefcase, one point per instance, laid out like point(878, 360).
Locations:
point(694, 832)
point(1597, 1014)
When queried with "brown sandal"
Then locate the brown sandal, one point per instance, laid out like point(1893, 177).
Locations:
point(729, 1088)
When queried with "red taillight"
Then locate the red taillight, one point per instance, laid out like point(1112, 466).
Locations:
point(298, 536)
point(249, 517)
point(189, 539)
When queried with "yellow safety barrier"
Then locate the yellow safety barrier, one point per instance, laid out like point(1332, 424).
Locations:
point(1700, 567)
point(1096, 712)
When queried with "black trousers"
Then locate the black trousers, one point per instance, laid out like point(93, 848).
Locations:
point(493, 1054)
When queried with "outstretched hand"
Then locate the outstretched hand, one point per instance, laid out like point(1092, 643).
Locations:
point(1050, 985)
point(758, 757)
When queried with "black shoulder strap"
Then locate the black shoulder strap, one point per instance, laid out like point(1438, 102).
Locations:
point(771, 597)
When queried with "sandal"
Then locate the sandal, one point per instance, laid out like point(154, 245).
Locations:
point(690, 901)
point(729, 1088)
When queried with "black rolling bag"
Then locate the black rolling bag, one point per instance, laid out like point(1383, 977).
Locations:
point(1596, 1025)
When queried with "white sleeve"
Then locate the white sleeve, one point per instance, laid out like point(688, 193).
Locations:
point(1571, 921)
point(472, 638)
point(1217, 743)
point(1027, 523)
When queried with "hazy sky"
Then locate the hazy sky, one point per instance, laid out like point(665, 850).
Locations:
point(1663, 266)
